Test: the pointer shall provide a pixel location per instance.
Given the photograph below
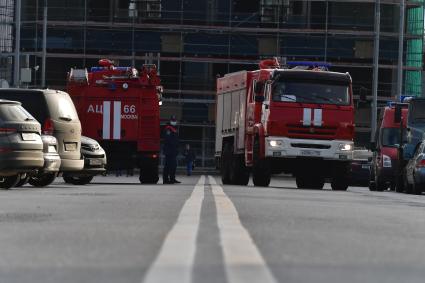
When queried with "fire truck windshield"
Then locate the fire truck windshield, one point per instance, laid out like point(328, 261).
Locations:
point(310, 92)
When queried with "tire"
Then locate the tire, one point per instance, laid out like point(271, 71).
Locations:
point(42, 180)
point(24, 178)
point(239, 174)
point(341, 179)
point(261, 171)
point(372, 186)
point(9, 181)
point(78, 180)
point(147, 178)
point(225, 166)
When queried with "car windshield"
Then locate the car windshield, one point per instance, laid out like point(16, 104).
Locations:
point(14, 113)
point(311, 92)
point(391, 136)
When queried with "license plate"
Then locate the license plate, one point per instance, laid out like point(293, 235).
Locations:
point(95, 161)
point(310, 153)
point(71, 146)
point(365, 166)
point(276, 153)
point(29, 136)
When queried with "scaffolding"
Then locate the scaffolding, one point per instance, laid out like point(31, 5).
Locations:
point(414, 51)
point(6, 38)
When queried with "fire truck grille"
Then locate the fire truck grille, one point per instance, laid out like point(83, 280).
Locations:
point(308, 145)
point(296, 131)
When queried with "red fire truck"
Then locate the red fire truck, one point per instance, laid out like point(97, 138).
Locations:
point(119, 107)
point(296, 120)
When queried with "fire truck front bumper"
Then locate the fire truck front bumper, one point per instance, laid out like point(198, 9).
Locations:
point(280, 147)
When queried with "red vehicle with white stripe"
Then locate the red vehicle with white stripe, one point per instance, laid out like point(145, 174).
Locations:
point(119, 107)
point(295, 120)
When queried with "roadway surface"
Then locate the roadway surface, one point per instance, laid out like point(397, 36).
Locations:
point(117, 230)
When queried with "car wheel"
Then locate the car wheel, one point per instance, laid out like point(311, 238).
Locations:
point(9, 181)
point(23, 179)
point(78, 180)
point(42, 180)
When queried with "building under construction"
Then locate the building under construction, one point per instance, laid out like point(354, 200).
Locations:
point(194, 41)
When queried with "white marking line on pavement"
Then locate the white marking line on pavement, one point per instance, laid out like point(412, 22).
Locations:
point(174, 262)
point(242, 260)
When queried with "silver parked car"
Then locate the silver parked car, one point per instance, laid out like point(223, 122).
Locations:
point(94, 163)
point(56, 113)
point(20, 143)
point(52, 161)
point(414, 176)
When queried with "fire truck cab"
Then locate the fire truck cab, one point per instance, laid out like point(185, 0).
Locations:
point(119, 107)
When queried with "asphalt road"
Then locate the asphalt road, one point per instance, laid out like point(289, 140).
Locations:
point(117, 230)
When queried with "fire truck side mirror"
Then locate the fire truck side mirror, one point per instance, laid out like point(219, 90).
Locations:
point(259, 98)
point(258, 87)
point(397, 114)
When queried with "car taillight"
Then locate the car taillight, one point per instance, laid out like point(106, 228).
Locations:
point(5, 131)
point(48, 127)
point(421, 163)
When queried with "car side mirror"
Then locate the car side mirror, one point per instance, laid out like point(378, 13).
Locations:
point(259, 98)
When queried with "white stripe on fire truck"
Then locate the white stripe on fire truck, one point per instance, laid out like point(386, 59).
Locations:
point(117, 120)
point(106, 120)
point(317, 117)
point(307, 117)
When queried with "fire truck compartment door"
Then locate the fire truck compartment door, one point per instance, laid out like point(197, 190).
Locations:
point(111, 119)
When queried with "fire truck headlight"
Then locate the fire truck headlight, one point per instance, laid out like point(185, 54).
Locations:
point(125, 85)
point(345, 147)
point(160, 103)
point(274, 143)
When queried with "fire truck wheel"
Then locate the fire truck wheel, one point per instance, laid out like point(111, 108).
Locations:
point(225, 164)
point(78, 180)
point(261, 171)
point(239, 174)
point(148, 178)
point(42, 180)
point(9, 181)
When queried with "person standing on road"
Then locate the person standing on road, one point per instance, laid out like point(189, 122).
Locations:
point(171, 142)
point(189, 157)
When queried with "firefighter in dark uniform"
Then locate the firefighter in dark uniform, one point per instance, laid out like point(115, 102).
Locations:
point(171, 142)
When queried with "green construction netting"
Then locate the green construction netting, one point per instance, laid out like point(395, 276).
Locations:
point(414, 51)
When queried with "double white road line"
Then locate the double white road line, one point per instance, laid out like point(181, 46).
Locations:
point(242, 260)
